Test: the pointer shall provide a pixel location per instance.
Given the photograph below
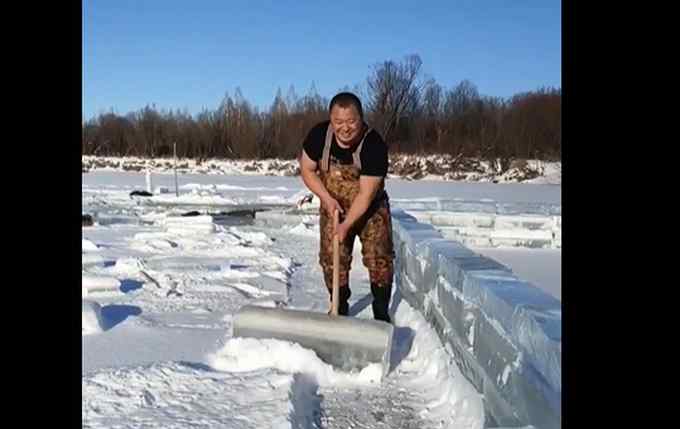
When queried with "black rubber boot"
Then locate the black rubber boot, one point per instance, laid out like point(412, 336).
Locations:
point(381, 302)
point(343, 305)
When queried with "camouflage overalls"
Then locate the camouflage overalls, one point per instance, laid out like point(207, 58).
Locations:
point(374, 229)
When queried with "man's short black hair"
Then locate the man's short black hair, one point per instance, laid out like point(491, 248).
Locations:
point(346, 99)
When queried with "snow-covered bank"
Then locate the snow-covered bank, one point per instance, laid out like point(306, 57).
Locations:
point(408, 167)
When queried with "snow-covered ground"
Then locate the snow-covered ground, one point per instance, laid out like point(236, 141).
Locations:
point(243, 189)
point(160, 291)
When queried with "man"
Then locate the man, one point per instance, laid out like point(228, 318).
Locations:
point(344, 163)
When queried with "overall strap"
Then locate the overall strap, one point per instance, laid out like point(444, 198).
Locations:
point(326, 154)
point(356, 155)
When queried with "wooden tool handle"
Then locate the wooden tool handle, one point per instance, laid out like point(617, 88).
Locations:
point(336, 265)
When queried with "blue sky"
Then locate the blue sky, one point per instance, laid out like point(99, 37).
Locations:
point(187, 55)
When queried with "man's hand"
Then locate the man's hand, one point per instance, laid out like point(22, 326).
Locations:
point(342, 231)
point(313, 182)
point(330, 205)
point(368, 187)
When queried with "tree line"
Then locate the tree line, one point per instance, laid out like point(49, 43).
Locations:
point(414, 114)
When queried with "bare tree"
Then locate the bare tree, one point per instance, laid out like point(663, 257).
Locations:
point(414, 115)
point(432, 107)
point(392, 92)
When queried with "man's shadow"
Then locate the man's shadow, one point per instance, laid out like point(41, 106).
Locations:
point(402, 340)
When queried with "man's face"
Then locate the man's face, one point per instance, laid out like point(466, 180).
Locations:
point(347, 123)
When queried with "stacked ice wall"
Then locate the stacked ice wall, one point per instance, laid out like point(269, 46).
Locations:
point(504, 333)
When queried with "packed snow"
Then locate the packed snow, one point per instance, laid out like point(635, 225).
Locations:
point(160, 290)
